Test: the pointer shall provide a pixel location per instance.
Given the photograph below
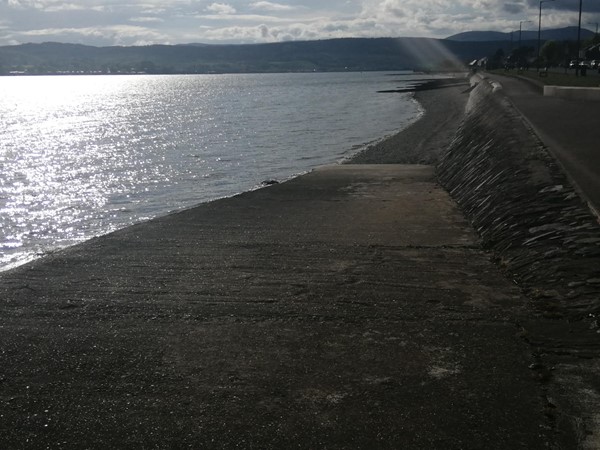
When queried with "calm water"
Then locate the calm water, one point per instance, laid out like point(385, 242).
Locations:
point(81, 156)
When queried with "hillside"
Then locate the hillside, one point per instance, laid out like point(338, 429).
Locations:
point(559, 34)
point(354, 54)
point(327, 55)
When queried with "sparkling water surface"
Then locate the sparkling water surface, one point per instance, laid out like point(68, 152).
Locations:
point(81, 156)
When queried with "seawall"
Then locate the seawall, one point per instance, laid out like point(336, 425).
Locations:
point(576, 93)
point(523, 205)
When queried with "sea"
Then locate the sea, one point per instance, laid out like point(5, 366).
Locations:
point(81, 156)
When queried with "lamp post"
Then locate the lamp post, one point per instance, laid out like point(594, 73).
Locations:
point(521, 29)
point(593, 23)
point(578, 38)
point(520, 32)
point(540, 32)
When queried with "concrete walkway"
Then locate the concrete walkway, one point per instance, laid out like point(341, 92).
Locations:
point(348, 308)
point(570, 129)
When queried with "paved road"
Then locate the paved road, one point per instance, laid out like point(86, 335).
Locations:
point(570, 129)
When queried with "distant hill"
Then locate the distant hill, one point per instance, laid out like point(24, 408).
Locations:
point(327, 55)
point(559, 34)
point(352, 54)
point(479, 36)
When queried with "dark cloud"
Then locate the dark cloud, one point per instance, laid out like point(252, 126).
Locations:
point(588, 6)
point(513, 8)
point(264, 31)
point(332, 27)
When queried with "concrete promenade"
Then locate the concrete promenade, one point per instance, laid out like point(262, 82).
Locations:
point(348, 308)
point(569, 128)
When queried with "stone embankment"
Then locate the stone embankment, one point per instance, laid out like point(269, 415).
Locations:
point(522, 204)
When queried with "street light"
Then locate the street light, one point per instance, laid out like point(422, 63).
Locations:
point(540, 32)
point(579, 38)
point(593, 23)
point(521, 30)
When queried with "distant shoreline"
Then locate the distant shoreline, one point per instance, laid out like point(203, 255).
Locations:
point(426, 86)
point(422, 141)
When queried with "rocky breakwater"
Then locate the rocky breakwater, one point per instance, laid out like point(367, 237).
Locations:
point(527, 212)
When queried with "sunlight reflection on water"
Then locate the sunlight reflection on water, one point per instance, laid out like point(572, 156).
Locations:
point(84, 155)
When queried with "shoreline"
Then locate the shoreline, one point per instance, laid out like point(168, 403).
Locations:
point(403, 147)
point(423, 141)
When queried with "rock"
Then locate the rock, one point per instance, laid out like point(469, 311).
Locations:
point(557, 188)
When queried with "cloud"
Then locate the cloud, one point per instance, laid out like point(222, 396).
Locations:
point(51, 5)
point(513, 8)
point(17, 3)
point(589, 6)
point(146, 19)
point(240, 18)
point(264, 31)
point(110, 35)
point(270, 6)
point(394, 8)
point(441, 18)
point(60, 7)
point(221, 8)
point(105, 22)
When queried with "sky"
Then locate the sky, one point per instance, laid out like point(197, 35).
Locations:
point(145, 22)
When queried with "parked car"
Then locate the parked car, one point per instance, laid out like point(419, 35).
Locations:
point(595, 64)
point(581, 64)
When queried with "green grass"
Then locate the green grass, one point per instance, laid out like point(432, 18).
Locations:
point(556, 79)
